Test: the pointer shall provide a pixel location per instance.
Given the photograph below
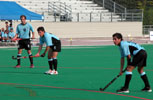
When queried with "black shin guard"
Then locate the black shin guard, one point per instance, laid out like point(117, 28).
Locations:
point(31, 59)
point(145, 80)
point(127, 80)
point(55, 64)
point(18, 60)
point(50, 65)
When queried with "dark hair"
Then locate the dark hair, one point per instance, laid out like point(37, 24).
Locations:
point(118, 35)
point(23, 16)
point(40, 29)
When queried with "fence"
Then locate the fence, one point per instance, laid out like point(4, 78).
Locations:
point(147, 29)
point(60, 9)
point(62, 12)
point(111, 5)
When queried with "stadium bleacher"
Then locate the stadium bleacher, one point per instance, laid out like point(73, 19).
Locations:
point(72, 10)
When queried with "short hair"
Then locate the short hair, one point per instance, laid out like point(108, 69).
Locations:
point(40, 29)
point(118, 35)
point(23, 16)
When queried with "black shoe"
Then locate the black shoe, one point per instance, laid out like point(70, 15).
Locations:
point(123, 90)
point(146, 89)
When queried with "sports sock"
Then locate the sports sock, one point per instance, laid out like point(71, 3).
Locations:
point(145, 79)
point(18, 60)
point(55, 63)
point(127, 79)
point(31, 59)
point(50, 62)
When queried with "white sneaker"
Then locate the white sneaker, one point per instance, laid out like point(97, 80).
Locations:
point(55, 72)
point(48, 72)
point(52, 72)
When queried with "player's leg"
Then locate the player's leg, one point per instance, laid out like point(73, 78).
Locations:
point(27, 46)
point(145, 79)
point(20, 47)
point(141, 65)
point(50, 62)
point(125, 88)
point(54, 56)
point(30, 58)
point(19, 60)
point(56, 49)
point(128, 76)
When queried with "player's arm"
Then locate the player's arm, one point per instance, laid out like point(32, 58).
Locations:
point(33, 35)
point(47, 48)
point(39, 49)
point(32, 30)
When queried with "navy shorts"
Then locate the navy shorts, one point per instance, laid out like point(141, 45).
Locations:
point(57, 46)
point(24, 44)
point(139, 59)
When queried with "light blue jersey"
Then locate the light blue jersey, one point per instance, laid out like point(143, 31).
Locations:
point(9, 28)
point(48, 38)
point(129, 48)
point(24, 30)
point(5, 35)
point(2, 34)
point(11, 34)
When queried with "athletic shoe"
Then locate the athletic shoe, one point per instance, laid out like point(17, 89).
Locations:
point(32, 66)
point(55, 72)
point(146, 89)
point(48, 72)
point(17, 66)
point(123, 90)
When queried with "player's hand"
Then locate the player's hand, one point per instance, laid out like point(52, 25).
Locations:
point(42, 55)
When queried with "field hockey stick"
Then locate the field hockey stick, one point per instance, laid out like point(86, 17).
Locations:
point(15, 58)
point(102, 89)
point(17, 39)
point(18, 57)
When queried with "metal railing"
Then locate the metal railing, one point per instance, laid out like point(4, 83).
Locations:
point(147, 29)
point(111, 6)
point(104, 17)
point(60, 9)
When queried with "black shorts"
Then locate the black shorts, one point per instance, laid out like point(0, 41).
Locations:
point(57, 46)
point(24, 44)
point(139, 59)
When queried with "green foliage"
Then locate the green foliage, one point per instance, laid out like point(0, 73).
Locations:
point(146, 5)
point(148, 16)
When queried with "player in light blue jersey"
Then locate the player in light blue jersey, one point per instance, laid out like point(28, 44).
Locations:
point(23, 32)
point(136, 56)
point(11, 34)
point(2, 34)
point(53, 46)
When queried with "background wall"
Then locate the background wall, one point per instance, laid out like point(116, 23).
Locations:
point(87, 29)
